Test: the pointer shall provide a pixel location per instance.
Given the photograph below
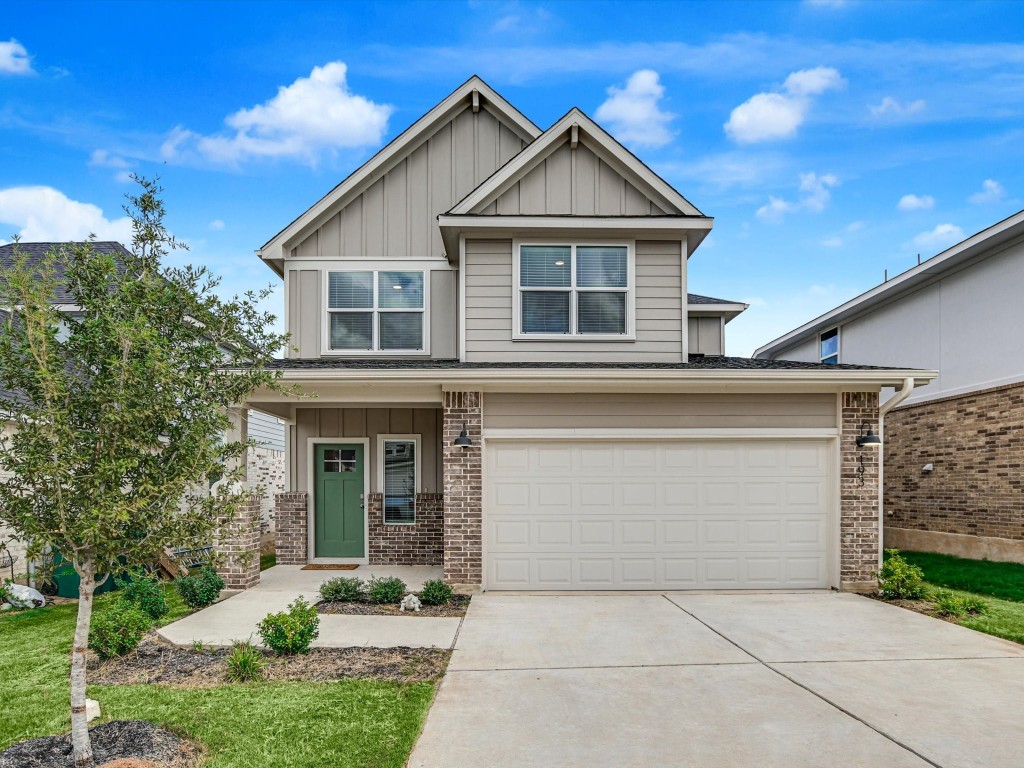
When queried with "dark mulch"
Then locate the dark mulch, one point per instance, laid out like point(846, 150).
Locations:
point(158, 662)
point(455, 607)
point(924, 606)
point(117, 743)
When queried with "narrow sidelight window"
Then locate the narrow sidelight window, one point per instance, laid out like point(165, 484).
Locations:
point(399, 472)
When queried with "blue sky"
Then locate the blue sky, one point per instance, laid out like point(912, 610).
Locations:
point(830, 140)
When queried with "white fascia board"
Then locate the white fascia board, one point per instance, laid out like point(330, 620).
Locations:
point(730, 311)
point(979, 244)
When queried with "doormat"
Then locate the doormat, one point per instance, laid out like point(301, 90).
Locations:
point(328, 567)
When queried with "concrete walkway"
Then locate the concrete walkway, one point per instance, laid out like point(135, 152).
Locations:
point(236, 617)
point(787, 680)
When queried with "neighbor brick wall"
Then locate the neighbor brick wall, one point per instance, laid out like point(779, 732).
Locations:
point(858, 503)
point(291, 543)
point(463, 489)
point(420, 543)
point(238, 545)
point(265, 470)
point(976, 443)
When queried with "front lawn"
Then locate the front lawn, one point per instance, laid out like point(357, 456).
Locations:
point(288, 724)
point(985, 577)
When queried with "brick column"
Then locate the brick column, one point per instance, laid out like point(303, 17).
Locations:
point(463, 489)
point(858, 493)
point(290, 536)
point(238, 545)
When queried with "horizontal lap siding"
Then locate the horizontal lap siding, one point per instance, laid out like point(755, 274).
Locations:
point(489, 293)
point(654, 411)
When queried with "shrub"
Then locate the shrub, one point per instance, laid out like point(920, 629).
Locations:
point(974, 605)
point(390, 589)
point(291, 631)
point(343, 589)
point(436, 592)
point(948, 604)
point(117, 629)
point(144, 590)
point(200, 588)
point(898, 579)
point(245, 662)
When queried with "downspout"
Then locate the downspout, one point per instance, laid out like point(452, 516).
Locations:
point(888, 405)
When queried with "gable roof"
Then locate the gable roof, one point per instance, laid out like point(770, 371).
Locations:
point(35, 252)
point(474, 91)
point(979, 245)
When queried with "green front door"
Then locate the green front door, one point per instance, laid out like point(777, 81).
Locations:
point(340, 517)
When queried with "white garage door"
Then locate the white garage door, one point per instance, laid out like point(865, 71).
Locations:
point(726, 514)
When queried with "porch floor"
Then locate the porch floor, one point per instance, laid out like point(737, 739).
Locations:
point(236, 617)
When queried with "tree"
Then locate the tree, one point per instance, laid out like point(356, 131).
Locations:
point(118, 412)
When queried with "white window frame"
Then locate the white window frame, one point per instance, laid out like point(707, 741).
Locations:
point(572, 289)
point(839, 345)
point(417, 465)
point(376, 310)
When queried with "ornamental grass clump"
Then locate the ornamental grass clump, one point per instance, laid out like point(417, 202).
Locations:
point(245, 662)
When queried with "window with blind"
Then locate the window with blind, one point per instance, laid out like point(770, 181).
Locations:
point(574, 290)
point(375, 311)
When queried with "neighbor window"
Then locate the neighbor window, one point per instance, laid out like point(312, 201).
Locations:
point(574, 290)
point(829, 347)
point(375, 311)
point(399, 463)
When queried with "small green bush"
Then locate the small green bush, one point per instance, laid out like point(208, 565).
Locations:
point(144, 589)
point(898, 579)
point(200, 588)
point(974, 605)
point(117, 629)
point(291, 631)
point(948, 604)
point(390, 589)
point(436, 592)
point(343, 589)
point(245, 662)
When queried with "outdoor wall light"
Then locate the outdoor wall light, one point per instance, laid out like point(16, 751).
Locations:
point(868, 437)
point(463, 438)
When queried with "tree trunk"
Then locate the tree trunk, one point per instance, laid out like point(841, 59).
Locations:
point(79, 726)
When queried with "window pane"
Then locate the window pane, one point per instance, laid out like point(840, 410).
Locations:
point(834, 360)
point(600, 312)
point(601, 266)
point(350, 290)
point(401, 330)
point(545, 312)
point(351, 330)
point(830, 343)
point(399, 481)
point(400, 289)
point(545, 266)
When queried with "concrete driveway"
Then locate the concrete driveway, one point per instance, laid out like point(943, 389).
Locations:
point(760, 680)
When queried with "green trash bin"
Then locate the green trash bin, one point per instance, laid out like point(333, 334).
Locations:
point(67, 580)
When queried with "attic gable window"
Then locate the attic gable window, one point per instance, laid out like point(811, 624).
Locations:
point(568, 291)
point(376, 311)
point(828, 347)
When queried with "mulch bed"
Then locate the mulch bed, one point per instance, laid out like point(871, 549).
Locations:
point(455, 607)
point(117, 744)
point(925, 607)
point(155, 661)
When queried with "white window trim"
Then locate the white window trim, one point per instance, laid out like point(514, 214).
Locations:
point(325, 324)
point(417, 463)
point(839, 345)
point(572, 336)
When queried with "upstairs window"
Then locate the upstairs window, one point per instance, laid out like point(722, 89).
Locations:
point(828, 347)
point(375, 311)
point(574, 291)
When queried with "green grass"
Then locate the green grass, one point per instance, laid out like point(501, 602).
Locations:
point(292, 725)
point(983, 577)
point(268, 561)
point(1004, 618)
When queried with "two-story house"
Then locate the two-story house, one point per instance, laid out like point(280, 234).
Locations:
point(507, 375)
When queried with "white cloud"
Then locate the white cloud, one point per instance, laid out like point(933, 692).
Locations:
point(891, 107)
point(815, 193)
point(774, 209)
point(312, 115)
point(14, 59)
point(775, 115)
point(991, 192)
point(104, 159)
point(216, 225)
point(916, 203)
point(943, 236)
point(633, 113)
point(832, 242)
point(45, 214)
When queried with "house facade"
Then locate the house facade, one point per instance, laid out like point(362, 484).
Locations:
point(954, 452)
point(503, 371)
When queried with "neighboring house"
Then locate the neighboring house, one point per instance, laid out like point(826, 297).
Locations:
point(953, 451)
point(508, 377)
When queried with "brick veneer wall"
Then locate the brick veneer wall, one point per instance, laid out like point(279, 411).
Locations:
point(859, 532)
point(463, 489)
point(291, 536)
point(265, 470)
point(420, 543)
point(976, 443)
point(238, 545)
